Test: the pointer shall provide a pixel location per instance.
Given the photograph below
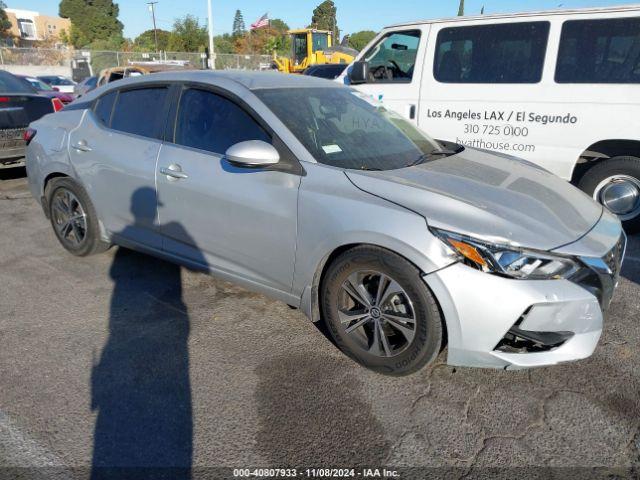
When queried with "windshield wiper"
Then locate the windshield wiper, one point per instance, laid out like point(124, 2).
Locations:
point(435, 153)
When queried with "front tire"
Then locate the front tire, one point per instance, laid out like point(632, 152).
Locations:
point(615, 183)
point(380, 312)
point(73, 217)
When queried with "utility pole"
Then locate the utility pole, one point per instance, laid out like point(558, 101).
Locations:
point(212, 53)
point(153, 15)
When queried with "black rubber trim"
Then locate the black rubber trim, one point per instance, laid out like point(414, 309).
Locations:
point(547, 339)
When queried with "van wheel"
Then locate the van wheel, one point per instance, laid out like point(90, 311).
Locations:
point(380, 312)
point(73, 217)
point(615, 183)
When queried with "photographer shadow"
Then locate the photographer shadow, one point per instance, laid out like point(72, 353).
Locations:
point(140, 386)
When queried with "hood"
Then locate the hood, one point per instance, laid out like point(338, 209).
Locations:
point(489, 196)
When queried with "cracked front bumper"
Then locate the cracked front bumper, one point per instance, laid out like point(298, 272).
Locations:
point(481, 309)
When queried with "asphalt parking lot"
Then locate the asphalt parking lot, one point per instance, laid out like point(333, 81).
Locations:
point(123, 359)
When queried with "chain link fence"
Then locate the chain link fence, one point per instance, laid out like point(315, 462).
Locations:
point(99, 59)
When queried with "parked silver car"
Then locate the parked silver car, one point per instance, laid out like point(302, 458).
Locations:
point(316, 195)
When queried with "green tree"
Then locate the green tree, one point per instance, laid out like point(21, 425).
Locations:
point(91, 20)
point(64, 37)
point(239, 27)
point(5, 24)
point(117, 42)
point(279, 41)
point(324, 18)
point(187, 35)
point(360, 39)
point(461, 9)
point(224, 43)
point(146, 40)
point(279, 25)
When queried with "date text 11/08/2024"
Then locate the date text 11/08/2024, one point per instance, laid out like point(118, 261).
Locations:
point(315, 473)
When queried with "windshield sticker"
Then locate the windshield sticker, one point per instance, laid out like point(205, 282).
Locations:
point(329, 149)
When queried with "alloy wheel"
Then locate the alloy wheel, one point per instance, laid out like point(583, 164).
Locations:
point(377, 313)
point(69, 218)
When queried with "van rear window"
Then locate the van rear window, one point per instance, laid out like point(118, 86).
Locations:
point(599, 51)
point(499, 53)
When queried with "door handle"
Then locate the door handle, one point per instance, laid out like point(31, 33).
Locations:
point(174, 171)
point(82, 146)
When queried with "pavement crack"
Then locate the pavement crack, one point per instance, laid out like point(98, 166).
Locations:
point(467, 405)
point(537, 423)
point(634, 444)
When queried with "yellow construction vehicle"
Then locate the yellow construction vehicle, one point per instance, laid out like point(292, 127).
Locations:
point(312, 47)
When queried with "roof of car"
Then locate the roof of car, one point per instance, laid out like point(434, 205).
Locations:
point(560, 11)
point(252, 80)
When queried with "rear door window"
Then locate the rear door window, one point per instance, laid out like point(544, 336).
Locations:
point(104, 107)
point(500, 53)
point(141, 111)
point(393, 58)
point(211, 122)
point(599, 51)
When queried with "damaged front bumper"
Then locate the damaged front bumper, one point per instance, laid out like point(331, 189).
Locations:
point(499, 322)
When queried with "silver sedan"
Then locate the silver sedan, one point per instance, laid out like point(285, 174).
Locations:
point(319, 196)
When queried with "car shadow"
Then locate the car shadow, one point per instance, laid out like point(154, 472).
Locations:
point(140, 385)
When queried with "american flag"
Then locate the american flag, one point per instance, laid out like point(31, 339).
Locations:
point(263, 21)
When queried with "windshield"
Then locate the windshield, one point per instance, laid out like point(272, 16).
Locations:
point(39, 85)
point(344, 128)
point(57, 81)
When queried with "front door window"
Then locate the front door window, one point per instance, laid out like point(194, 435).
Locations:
point(393, 58)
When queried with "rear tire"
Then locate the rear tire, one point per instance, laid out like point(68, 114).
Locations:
point(73, 217)
point(400, 330)
point(615, 183)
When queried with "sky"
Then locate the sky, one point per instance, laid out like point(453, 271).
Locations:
point(353, 15)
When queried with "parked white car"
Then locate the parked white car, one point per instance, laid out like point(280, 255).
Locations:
point(560, 89)
point(58, 82)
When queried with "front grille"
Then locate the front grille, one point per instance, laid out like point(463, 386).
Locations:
point(613, 259)
point(600, 275)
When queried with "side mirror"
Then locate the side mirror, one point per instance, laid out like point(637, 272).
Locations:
point(359, 73)
point(252, 153)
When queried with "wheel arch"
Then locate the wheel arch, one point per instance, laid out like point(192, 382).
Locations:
point(601, 151)
point(45, 184)
point(310, 303)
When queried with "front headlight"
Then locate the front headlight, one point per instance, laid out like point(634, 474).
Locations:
point(509, 261)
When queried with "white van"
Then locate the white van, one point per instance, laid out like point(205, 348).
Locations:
point(560, 89)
